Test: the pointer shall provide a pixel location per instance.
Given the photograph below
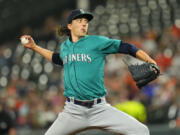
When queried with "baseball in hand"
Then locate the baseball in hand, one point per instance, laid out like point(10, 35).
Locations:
point(24, 40)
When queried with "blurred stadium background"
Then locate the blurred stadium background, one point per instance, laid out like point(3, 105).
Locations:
point(31, 87)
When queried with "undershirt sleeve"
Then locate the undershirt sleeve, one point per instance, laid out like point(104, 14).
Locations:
point(56, 59)
point(127, 48)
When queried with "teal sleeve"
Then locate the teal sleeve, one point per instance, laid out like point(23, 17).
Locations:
point(109, 46)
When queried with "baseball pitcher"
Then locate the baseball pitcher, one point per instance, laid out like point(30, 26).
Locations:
point(83, 57)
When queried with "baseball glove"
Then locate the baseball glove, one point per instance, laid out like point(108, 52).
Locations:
point(144, 73)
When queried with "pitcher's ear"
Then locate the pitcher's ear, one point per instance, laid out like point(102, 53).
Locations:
point(69, 26)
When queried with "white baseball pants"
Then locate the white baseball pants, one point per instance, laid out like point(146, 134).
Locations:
point(76, 118)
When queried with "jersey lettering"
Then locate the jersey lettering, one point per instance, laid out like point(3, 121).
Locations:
point(89, 58)
point(73, 57)
point(65, 60)
point(77, 57)
point(83, 57)
point(69, 57)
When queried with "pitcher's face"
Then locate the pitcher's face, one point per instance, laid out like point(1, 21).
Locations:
point(79, 27)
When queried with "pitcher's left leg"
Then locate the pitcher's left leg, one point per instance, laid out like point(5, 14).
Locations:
point(110, 118)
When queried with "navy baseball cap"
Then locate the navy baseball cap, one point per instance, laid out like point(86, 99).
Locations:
point(78, 13)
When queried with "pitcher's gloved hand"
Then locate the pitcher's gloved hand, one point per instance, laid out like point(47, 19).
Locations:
point(144, 73)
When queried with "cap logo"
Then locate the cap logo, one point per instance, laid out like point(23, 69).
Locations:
point(82, 11)
point(79, 13)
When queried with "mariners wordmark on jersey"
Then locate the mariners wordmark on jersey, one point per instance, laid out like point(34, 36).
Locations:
point(77, 57)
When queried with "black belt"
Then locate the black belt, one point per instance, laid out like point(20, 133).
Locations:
point(88, 104)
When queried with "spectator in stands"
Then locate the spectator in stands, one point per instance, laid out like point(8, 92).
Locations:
point(7, 124)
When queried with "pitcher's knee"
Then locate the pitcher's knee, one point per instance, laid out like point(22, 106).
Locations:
point(143, 130)
point(47, 133)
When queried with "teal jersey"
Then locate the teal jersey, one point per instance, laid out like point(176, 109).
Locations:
point(84, 65)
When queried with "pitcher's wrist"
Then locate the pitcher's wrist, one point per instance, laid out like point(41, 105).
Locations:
point(34, 47)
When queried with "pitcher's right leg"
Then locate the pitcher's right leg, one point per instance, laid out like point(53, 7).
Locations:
point(116, 121)
point(68, 122)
